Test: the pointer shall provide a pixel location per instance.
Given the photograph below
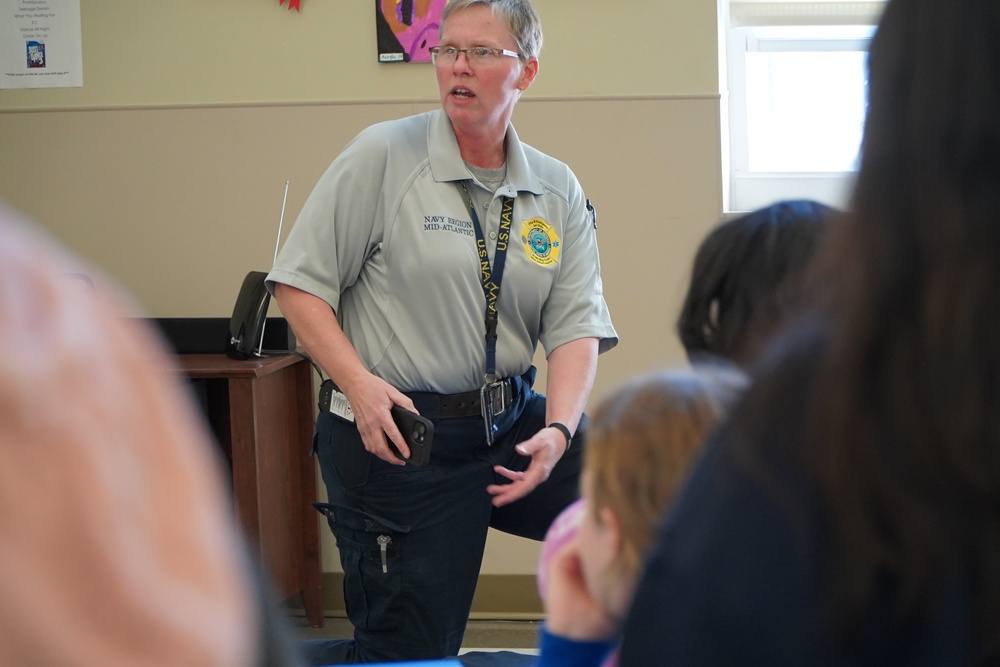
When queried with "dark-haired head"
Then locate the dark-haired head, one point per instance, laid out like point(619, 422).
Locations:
point(747, 277)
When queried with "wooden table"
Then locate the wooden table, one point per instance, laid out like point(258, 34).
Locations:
point(261, 413)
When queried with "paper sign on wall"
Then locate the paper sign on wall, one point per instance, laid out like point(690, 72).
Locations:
point(40, 44)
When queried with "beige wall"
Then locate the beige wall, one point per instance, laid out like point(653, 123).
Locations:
point(250, 51)
point(167, 167)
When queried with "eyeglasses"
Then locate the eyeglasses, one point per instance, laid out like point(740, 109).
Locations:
point(479, 56)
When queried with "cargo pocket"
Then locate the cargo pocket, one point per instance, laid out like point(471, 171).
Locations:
point(343, 459)
point(371, 551)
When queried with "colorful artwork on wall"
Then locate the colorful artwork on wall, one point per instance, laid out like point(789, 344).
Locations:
point(407, 28)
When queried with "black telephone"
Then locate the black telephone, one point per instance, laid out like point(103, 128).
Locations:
point(246, 327)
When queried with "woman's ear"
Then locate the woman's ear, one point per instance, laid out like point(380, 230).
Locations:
point(528, 74)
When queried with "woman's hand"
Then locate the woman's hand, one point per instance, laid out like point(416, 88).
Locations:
point(371, 400)
point(545, 449)
point(571, 372)
point(320, 335)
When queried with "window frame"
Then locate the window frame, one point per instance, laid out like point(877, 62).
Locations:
point(771, 29)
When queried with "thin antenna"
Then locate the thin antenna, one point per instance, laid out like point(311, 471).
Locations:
point(281, 219)
point(277, 242)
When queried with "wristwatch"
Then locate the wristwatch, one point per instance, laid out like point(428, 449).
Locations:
point(565, 431)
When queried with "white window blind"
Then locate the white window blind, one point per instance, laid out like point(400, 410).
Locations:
point(744, 13)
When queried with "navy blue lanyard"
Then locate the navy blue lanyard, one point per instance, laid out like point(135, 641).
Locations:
point(491, 277)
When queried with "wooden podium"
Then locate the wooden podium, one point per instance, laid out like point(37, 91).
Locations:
point(261, 413)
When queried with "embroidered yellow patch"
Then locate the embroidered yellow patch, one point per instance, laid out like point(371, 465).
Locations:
point(540, 242)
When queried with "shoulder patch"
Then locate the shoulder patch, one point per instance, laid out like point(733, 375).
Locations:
point(540, 242)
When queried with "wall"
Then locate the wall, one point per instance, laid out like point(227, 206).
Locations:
point(167, 167)
point(211, 52)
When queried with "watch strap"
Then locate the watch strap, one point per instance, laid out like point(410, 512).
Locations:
point(565, 431)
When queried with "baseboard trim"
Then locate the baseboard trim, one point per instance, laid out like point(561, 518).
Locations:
point(513, 596)
point(498, 596)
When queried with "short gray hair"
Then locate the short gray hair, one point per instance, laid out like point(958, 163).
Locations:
point(520, 16)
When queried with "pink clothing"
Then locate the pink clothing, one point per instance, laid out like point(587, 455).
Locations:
point(119, 546)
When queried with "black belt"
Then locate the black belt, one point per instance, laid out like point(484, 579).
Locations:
point(453, 406)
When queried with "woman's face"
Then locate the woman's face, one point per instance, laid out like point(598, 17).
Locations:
point(480, 98)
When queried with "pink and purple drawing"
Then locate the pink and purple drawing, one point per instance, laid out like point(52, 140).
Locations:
point(407, 28)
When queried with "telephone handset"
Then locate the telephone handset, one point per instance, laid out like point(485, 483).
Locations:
point(246, 327)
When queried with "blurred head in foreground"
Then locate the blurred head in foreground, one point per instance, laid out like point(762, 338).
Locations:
point(119, 545)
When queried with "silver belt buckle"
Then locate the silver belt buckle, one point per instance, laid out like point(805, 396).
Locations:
point(494, 399)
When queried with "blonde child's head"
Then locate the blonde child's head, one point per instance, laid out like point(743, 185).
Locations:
point(640, 442)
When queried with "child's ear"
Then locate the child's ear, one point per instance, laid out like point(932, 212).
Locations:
point(614, 527)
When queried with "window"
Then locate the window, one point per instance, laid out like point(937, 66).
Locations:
point(796, 80)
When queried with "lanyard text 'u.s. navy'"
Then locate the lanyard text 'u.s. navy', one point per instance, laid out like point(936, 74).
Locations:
point(494, 395)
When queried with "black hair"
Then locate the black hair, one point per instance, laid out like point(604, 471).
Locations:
point(747, 277)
